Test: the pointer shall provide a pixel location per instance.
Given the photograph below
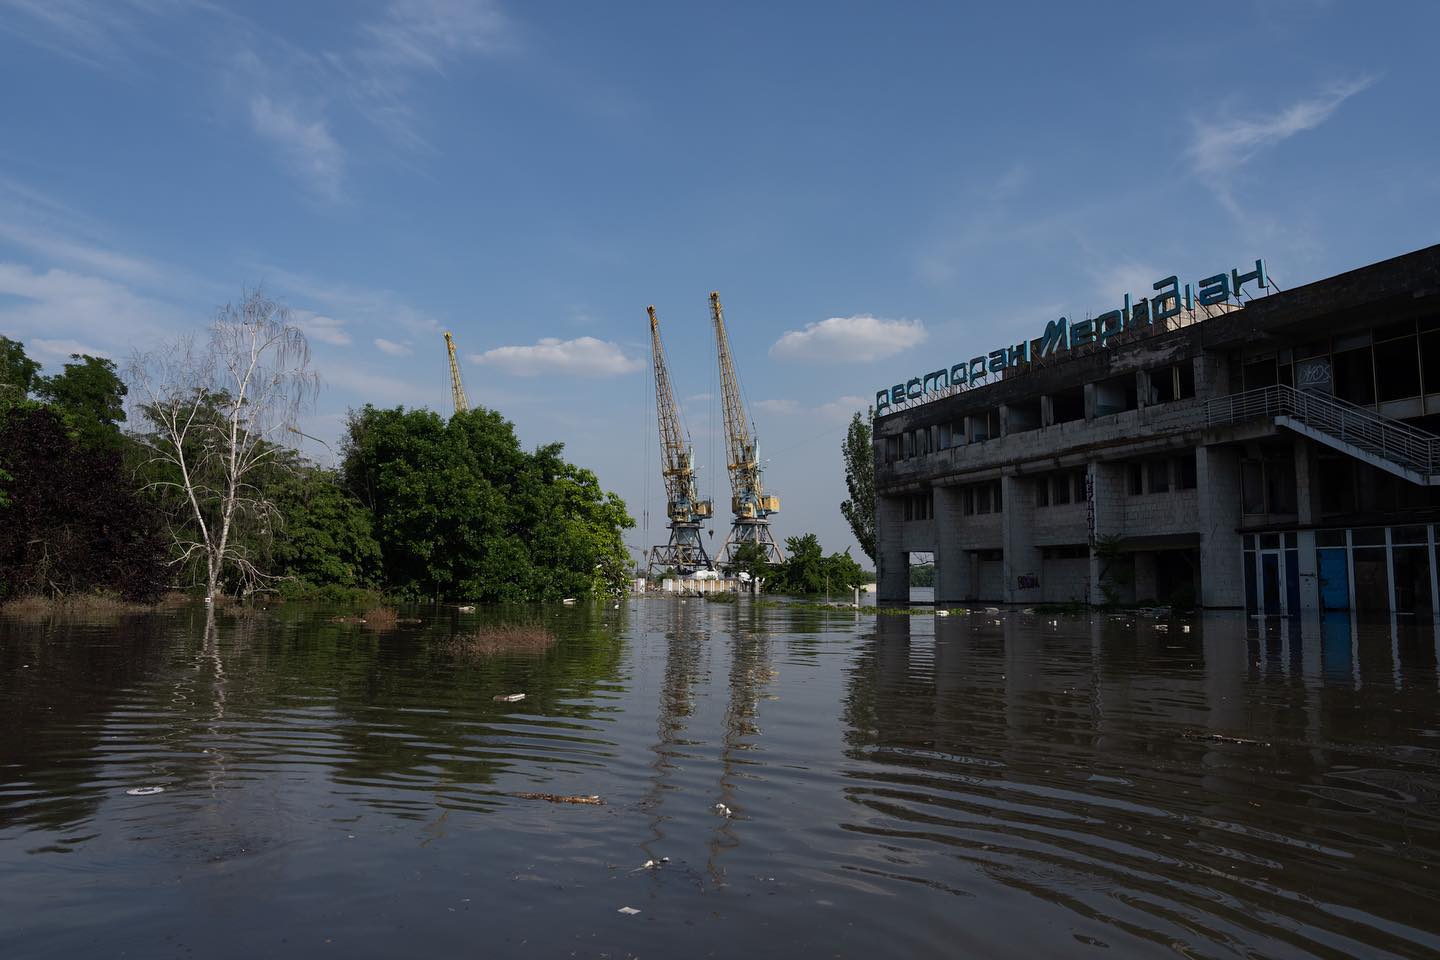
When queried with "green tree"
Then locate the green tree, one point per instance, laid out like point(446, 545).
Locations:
point(859, 510)
point(807, 570)
point(91, 397)
point(17, 372)
point(326, 539)
point(750, 558)
point(462, 511)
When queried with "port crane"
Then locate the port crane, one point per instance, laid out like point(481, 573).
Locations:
point(685, 552)
point(457, 388)
point(749, 503)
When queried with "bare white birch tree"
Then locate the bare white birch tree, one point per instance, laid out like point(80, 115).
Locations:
point(219, 412)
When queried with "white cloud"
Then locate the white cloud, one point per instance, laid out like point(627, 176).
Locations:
point(778, 406)
point(71, 309)
point(841, 339)
point(423, 34)
point(305, 143)
point(392, 348)
point(584, 356)
point(322, 328)
point(61, 349)
point(93, 31)
point(1220, 147)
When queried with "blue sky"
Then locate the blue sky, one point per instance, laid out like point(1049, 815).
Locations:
point(875, 190)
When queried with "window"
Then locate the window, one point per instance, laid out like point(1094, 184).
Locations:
point(1354, 374)
point(1159, 474)
point(1185, 380)
point(1069, 552)
point(1042, 491)
point(1252, 486)
point(1135, 478)
point(1080, 493)
point(1185, 472)
point(1398, 364)
point(982, 498)
point(1062, 488)
point(892, 449)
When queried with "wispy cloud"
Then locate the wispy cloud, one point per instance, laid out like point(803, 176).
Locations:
point(102, 315)
point(96, 32)
point(319, 327)
point(304, 142)
point(848, 339)
point(582, 357)
point(392, 348)
point(841, 408)
point(1219, 147)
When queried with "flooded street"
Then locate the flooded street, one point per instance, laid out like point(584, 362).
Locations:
point(822, 784)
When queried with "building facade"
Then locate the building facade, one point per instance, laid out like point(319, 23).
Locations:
point(1278, 455)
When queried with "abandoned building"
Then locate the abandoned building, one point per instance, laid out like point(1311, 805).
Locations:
point(1271, 450)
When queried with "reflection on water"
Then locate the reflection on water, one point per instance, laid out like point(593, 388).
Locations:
point(1002, 785)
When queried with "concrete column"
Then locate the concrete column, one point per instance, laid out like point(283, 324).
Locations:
point(1305, 492)
point(1089, 401)
point(1142, 394)
point(892, 555)
point(1107, 501)
point(952, 564)
point(1017, 538)
point(1217, 474)
point(1047, 411)
point(1212, 376)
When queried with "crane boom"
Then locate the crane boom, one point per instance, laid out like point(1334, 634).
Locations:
point(686, 551)
point(749, 503)
point(457, 388)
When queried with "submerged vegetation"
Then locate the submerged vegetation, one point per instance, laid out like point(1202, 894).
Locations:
point(498, 638)
point(200, 489)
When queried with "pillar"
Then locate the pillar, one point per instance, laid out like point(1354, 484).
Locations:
point(1217, 475)
point(1305, 494)
point(953, 583)
point(1017, 540)
point(1107, 504)
point(892, 556)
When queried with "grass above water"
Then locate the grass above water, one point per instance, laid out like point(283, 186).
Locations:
point(493, 639)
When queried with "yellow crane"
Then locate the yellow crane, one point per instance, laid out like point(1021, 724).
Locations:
point(685, 552)
point(749, 503)
point(457, 388)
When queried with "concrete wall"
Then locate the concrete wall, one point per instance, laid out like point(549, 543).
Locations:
point(1063, 581)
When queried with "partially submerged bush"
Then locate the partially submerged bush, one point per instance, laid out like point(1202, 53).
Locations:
point(74, 605)
point(500, 638)
point(380, 617)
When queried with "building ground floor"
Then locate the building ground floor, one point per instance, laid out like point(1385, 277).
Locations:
point(1272, 523)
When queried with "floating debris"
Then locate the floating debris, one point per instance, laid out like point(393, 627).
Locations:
point(509, 698)
point(591, 800)
point(568, 601)
point(466, 609)
point(942, 613)
point(628, 911)
point(723, 810)
point(144, 791)
point(651, 864)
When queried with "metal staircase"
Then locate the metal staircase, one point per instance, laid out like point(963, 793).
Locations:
point(1358, 431)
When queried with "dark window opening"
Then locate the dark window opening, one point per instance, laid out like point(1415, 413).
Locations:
point(1062, 488)
point(1185, 478)
point(1069, 405)
point(1261, 373)
point(1022, 416)
point(1398, 365)
point(1159, 476)
point(1067, 552)
point(1252, 486)
point(1115, 395)
point(1135, 476)
point(1354, 374)
point(1042, 492)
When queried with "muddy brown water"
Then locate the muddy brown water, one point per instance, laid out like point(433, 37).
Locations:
point(1005, 785)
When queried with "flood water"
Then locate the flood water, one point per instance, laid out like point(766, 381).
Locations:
point(1006, 785)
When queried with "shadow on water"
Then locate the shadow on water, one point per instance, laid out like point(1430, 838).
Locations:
point(820, 782)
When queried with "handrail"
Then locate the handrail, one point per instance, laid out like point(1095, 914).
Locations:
point(1389, 439)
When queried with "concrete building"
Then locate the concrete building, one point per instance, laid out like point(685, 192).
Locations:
point(1277, 454)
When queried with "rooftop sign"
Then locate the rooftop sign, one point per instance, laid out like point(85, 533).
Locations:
point(1062, 335)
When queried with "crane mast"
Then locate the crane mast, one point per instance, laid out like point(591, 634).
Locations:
point(685, 551)
point(457, 388)
point(750, 505)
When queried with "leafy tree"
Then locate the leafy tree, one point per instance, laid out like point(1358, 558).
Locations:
point(219, 414)
point(326, 538)
point(71, 519)
point(807, 570)
point(859, 509)
point(17, 372)
point(90, 395)
point(751, 558)
point(460, 510)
